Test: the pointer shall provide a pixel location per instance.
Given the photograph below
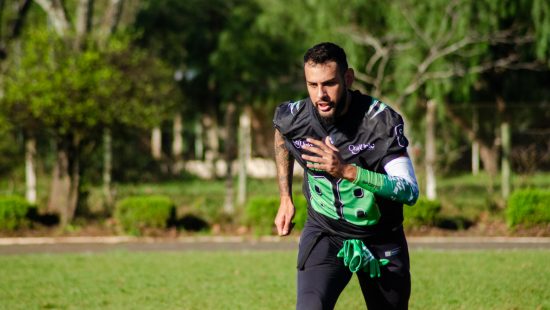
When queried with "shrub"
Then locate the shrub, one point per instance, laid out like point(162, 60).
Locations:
point(528, 207)
point(13, 212)
point(260, 213)
point(300, 203)
point(424, 213)
point(138, 213)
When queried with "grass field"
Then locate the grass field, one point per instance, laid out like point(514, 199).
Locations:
point(259, 280)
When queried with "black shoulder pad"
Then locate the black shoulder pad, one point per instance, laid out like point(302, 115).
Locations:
point(285, 115)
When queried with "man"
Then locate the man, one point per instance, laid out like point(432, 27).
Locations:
point(357, 175)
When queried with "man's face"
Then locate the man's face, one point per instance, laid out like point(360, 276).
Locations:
point(327, 88)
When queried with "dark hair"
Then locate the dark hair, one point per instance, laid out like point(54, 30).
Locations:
point(326, 51)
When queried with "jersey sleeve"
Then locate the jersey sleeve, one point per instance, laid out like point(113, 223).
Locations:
point(285, 115)
point(397, 142)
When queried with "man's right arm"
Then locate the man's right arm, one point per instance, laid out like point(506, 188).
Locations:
point(285, 167)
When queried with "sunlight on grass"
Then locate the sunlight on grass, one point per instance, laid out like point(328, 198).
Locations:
point(259, 280)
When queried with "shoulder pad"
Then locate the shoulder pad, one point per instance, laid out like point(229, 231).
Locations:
point(286, 114)
point(384, 111)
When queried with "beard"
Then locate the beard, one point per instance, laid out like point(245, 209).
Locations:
point(329, 120)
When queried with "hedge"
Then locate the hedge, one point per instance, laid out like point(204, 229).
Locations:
point(13, 212)
point(136, 214)
point(260, 213)
point(424, 213)
point(528, 207)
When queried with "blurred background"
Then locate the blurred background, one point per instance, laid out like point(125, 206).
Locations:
point(110, 109)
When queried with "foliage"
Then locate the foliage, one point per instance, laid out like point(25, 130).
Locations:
point(424, 213)
point(248, 52)
point(14, 211)
point(10, 151)
point(260, 213)
point(136, 214)
point(528, 207)
point(69, 96)
point(64, 91)
point(175, 32)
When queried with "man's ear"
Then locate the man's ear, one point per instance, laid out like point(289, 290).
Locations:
point(349, 77)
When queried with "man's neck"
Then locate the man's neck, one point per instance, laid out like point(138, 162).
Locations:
point(346, 104)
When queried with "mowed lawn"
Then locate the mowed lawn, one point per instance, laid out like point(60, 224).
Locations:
point(509, 279)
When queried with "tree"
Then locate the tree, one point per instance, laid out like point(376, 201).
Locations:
point(12, 20)
point(435, 48)
point(73, 95)
point(253, 58)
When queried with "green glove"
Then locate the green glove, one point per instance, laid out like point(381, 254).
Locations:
point(358, 257)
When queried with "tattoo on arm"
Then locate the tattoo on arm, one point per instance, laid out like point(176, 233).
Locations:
point(285, 165)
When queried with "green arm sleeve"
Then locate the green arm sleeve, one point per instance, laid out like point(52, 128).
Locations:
point(390, 187)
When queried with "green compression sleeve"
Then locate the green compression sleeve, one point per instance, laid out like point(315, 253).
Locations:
point(390, 187)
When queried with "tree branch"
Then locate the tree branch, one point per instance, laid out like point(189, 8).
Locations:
point(17, 24)
point(56, 12)
point(110, 20)
point(405, 11)
point(84, 11)
point(444, 34)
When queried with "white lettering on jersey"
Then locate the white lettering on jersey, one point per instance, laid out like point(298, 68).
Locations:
point(356, 149)
point(299, 144)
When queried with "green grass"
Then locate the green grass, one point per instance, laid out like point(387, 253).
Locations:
point(259, 280)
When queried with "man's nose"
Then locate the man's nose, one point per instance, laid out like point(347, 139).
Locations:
point(321, 92)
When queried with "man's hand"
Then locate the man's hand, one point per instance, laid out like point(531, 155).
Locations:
point(328, 159)
point(283, 220)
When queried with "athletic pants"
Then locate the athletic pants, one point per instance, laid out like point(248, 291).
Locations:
point(322, 276)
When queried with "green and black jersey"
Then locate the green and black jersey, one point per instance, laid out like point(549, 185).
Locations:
point(369, 135)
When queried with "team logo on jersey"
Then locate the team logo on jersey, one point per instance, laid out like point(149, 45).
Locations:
point(376, 107)
point(399, 134)
point(300, 144)
point(356, 149)
point(294, 107)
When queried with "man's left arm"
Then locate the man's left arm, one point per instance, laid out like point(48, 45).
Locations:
point(398, 185)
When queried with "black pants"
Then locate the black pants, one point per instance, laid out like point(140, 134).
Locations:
point(322, 276)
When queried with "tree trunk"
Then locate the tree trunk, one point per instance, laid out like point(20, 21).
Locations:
point(74, 190)
point(56, 14)
point(84, 12)
point(431, 186)
point(64, 191)
point(177, 144)
point(199, 141)
point(487, 152)
point(506, 147)
point(245, 150)
point(30, 170)
point(505, 160)
point(107, 167)
point(229, 204)
point(260, 122)
point(211, 153)
point(475, 144)
point(156, 143)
